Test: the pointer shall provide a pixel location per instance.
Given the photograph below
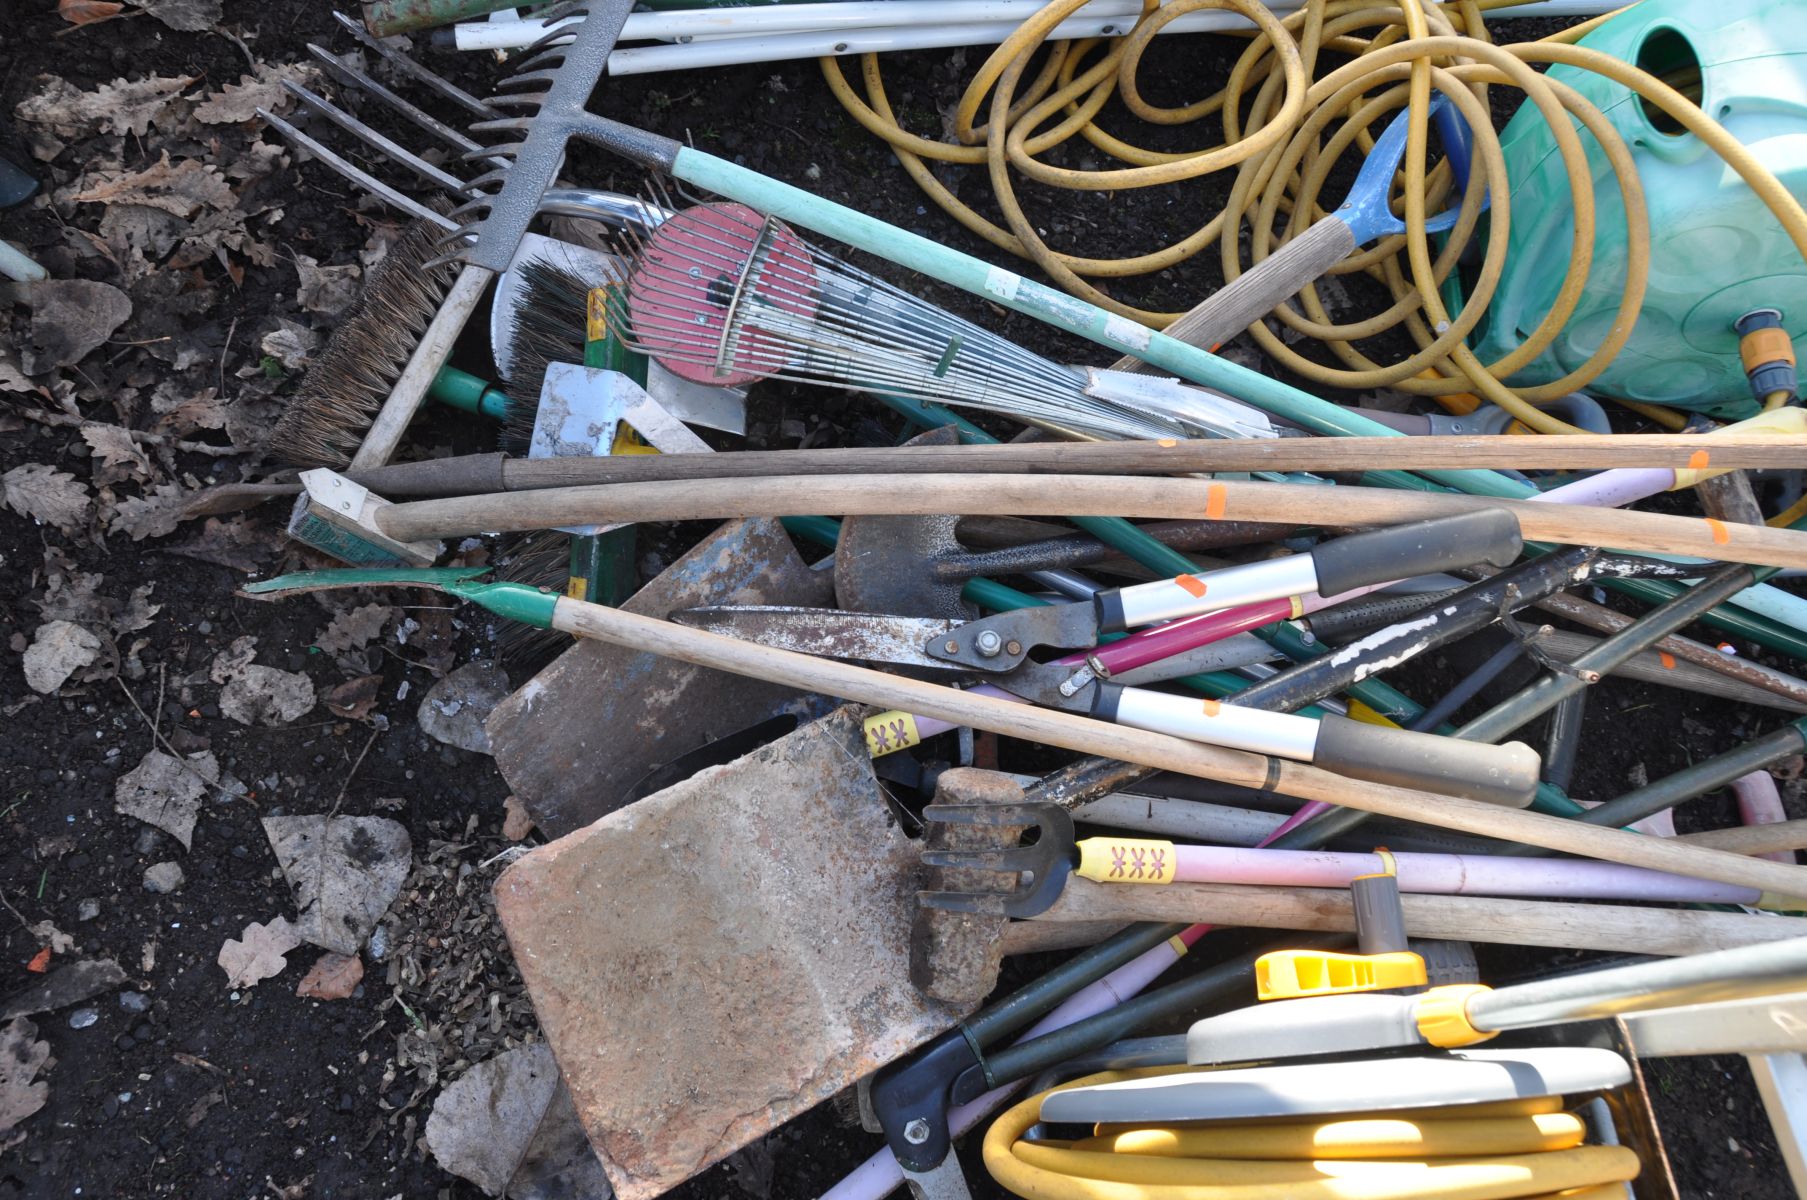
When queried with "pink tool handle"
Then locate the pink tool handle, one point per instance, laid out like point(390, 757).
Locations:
point(1164, 641)
point(1451, 874)
point(1760, 804)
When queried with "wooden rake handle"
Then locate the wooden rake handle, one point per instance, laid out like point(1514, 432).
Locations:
point(1077, 496)
point(1615, 927)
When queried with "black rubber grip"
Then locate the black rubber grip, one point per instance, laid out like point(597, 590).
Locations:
point(1109, 607)
point(1506, 775)
point(1106, 699)
point(1488, 535)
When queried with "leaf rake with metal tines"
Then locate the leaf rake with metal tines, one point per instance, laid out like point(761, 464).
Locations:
point(722, 295)
point(1043, 865)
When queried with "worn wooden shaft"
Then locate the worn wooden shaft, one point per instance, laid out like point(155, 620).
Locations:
point(1320, 454)
point(1053, 728)
point(1614, 927)
point(1074, 496)
point(1752, 839)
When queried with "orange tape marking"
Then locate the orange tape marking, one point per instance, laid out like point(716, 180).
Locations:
point(1721, 535)
point(1217, 498)
point(1667, 659)
point(1698, 460)
point(1166, 443)
point(1212, 708)
point(1192, 585)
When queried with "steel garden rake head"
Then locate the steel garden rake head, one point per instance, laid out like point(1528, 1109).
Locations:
point(1041, 867)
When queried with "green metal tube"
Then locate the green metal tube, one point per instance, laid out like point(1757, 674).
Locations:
point(1029, 1002)
point(1702, 777)
point(462, 390)
point(386, 18)
point(1652, 627)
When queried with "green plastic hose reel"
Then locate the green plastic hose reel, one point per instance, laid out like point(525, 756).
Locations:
point(1716, 251)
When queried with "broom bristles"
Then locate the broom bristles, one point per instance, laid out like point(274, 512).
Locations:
point(327, 417)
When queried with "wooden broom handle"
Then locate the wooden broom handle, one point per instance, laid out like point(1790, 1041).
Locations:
point(1569, 452)
point(1054, 728)
point(1615, 927)
point(1075, 496)
point(1752, 839)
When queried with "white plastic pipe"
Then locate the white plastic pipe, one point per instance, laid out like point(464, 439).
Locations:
point(1100, 18)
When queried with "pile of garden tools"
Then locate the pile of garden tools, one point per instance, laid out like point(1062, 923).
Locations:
point(808, 787)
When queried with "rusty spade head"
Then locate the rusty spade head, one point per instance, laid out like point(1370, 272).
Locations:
point(886, 564)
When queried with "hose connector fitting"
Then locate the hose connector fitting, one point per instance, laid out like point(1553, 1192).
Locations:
point(1767, 353)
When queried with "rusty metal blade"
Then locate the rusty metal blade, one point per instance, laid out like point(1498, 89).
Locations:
point(829, 632)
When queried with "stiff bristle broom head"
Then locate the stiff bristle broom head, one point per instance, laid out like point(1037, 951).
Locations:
point(339, 397)
point(548, 327)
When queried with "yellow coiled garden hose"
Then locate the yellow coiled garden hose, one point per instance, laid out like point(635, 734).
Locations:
point(1286, 118)
point(1525, 1148)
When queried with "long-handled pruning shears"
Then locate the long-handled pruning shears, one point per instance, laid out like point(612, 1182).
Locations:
point(996, 651)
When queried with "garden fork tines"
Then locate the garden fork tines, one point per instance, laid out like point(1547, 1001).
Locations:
point(1041, 868)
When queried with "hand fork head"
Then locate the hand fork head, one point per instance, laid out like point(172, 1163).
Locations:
point(1046, 862)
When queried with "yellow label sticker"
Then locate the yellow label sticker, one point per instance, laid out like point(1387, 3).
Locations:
point(890, 732)
point(1167, 443)
point(577, 587)
point(596, 315)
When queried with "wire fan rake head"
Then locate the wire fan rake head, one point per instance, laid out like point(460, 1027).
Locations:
point(722, 295)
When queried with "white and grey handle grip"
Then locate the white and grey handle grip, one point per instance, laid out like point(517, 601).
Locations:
point(1505, 774)
point(1266, 285)
point(1378, 556)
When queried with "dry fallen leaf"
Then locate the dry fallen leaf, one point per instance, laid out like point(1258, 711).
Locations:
point(188, 16)
point(22, 1056)
point(255, 695)
point(166, 791)
point(123, 106)
point(48, 495)
point(345, 871)
point(258, 952)
point(88, 12)
point(290, 344)
point(354, 699)
point(240, 101)
point(236, 544)
point(181, 189)
point(481, 1124)
point(58, 650)
point(154, 514)
point(326, 290)
point(354, 628)
point(517, 822)
point(70, 318)
point(116, 454)
point(333, 977)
